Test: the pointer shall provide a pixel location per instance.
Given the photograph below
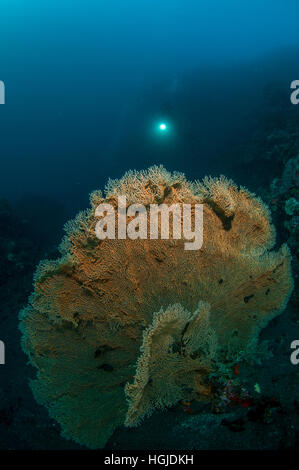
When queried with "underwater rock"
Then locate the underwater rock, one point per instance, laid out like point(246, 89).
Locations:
point(109, 317)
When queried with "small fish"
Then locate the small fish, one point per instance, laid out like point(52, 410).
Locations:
point(257, 388)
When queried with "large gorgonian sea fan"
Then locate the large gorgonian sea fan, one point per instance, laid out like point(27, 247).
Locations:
point(108, 318)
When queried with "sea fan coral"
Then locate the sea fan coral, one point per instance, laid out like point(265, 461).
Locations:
point(95, 307)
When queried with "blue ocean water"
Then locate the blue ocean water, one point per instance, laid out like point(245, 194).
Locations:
point(86, 80)
point(88, 85)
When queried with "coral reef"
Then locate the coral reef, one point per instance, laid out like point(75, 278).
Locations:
point(269, 163)
point(108, 318)
point(172, 347)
